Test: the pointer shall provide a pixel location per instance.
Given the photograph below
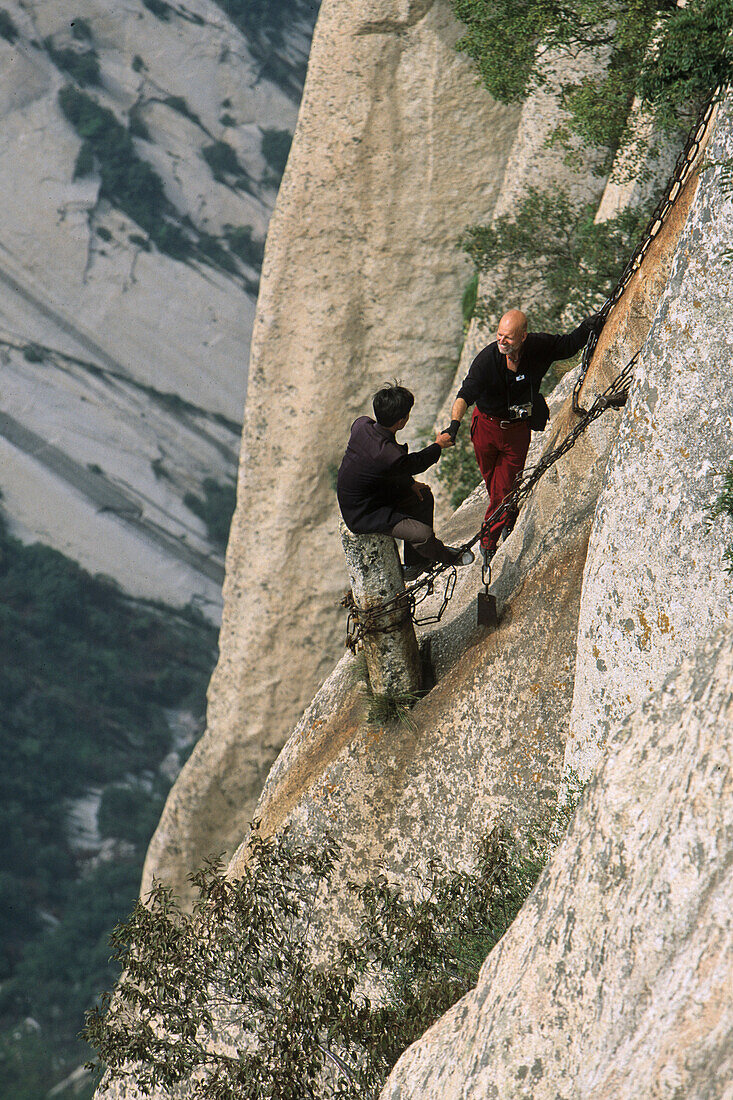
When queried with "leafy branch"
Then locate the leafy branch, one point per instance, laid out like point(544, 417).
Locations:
point(237, 1000)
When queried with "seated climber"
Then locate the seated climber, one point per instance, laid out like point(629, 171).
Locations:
point(504, 382)
point(377, 493)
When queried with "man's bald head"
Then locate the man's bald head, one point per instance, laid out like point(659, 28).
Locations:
point(511, 333)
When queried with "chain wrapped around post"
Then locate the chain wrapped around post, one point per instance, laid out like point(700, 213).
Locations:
point(683, 167)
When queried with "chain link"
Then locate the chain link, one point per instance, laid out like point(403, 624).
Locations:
point(683, 166)
point(362, 622)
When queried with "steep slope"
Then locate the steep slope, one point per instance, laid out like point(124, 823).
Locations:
point(396, 150)
point(615, 978)
point(130, 249)
point(651, 590)
point(487, 743)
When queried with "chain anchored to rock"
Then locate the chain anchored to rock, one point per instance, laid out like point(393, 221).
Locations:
point(682, 169)
point(375, 619)
point(380, 619)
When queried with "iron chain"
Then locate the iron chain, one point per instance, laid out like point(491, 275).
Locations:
point(361, 623)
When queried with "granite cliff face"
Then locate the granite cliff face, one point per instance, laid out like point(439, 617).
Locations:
point(623, 950)
point(613, 981)
point(393, 156)
point(396, 150)
point(123, 366)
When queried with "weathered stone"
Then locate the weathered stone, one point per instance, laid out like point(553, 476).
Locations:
point(654, 582)
point(396, 150)
point(615, 979)
point(389, 642)
point(486, 743)
point(153, 392)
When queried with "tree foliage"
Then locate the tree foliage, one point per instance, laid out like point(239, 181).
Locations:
point(86, 681)
point(215, 508)
point(237, 1000)
point(723, 506)
point(550, 239)
point(519, 47)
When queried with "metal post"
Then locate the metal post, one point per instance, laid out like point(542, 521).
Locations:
point(390, 645)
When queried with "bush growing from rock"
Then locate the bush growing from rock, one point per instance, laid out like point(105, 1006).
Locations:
point(691, 55)
point(233, 999)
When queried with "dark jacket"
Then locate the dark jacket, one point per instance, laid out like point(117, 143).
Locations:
point(493, 387)
point(375, 473)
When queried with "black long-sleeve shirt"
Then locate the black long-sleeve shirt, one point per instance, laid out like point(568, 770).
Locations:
point(375, 473)
point(493, 387)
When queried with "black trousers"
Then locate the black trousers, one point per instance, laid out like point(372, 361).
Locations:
point(417, 530)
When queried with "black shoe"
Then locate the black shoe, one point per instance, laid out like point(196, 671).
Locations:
point(462, 557)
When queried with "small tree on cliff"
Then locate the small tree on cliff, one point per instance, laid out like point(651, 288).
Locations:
point(691, 55)
point(232, 1000)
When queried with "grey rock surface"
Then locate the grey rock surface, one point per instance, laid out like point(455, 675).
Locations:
point(137, 361)
point(654, 581)
point(615, 979)
point(486, 744)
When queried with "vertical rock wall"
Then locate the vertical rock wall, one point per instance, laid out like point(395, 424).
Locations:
point(654, 581)
point(614, 981)
point(397, 149)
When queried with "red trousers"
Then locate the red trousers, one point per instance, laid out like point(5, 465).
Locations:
point(500, 453)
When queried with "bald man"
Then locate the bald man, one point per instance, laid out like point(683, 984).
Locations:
point(504, 383)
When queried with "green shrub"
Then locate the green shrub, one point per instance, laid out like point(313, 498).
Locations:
point(81, 30)
point(127, 181)
point(275, 149)
point(136, 125)
point(243, 244)
point(84, 163)
point(555, 241)
point(34, 353)
point(457, 469)
point(222, 160)
point(86, 683)
point(691, 56)
point(178, 103)
point(8, 29)
point(211, 249)
point(215, 508)
point(723, 506)
point(160, 9)
point(247, 952)
point(130, 812)
point(468, 301)
point(83, 67)
point(138, 64)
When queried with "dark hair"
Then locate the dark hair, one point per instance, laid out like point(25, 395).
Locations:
point(391, 404)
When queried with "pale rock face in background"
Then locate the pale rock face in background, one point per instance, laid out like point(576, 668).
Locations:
point(397, 149)
point(144, 371)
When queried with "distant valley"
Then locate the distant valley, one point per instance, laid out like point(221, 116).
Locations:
point(143, 146)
